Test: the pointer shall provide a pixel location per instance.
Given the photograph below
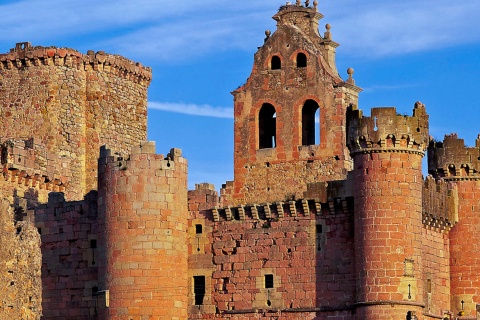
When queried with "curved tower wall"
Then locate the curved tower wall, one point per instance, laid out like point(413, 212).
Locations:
point(387, 150)
point(143, 210)
point(450, 160)
point(71, 103)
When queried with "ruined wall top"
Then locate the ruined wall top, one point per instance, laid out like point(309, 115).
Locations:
point(25, 55)
point(452, 159)
point(385, 130)
point(302, 16)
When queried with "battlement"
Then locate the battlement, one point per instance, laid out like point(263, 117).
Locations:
point(386, 130)
point(440, 204)
point(451, 159)
point(26, 55)
point(30, 163)
point(122, 162)
point(282, 209)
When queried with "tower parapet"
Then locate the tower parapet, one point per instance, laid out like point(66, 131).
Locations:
point(386, 130)
point(440, 204)
point(451, 159)
point(26, 55)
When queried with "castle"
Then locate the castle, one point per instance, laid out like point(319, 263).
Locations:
point(334, 222)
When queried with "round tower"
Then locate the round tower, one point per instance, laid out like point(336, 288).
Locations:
point(143, 214)
point(68, 103)
point(451, 161)
point(387, 150)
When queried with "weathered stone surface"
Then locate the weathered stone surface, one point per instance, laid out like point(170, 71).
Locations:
point(21, 260)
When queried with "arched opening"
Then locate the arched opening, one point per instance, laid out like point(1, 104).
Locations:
point(310, 113)
point(267, 126)
point(276, 63)
point(301, 60)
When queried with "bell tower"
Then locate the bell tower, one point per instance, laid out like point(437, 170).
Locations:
point(290, 113)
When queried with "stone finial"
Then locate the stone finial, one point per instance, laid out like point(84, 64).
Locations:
point(328, 35)
point(299, 2)
point(350, 72)
point(307, 3)
point(315, 4)
point(267, 35)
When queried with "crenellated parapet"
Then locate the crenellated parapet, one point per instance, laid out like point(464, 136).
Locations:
point(440, 204)
point(143, 154)
point(29, 163)
point(386, 130)
point(451, 159)
point(25, 55)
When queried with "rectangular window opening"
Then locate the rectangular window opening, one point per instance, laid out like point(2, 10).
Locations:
point(199, 289)
point(409, 265)
point(198, 229)
point(319, 228)
point(268, 281)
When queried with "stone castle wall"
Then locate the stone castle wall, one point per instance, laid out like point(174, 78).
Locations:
point(306, 248)
point(70, 257)
point(21, 294)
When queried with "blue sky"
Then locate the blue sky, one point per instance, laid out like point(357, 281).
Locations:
point(200, 51)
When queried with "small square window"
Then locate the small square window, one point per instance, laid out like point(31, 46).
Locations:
point(269, 281)
point(319, 228)
point(198, 229)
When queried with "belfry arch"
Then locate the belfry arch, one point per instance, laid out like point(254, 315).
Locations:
point(267, 126)
point(310, 113)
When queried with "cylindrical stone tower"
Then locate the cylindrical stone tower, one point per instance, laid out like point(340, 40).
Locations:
point(69, 104)
point(387, 150)
point(143, 211)
point(450, 160)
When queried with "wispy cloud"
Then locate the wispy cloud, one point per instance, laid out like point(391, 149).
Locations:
point(399, 27)
point(193, 109)
point(375, 88)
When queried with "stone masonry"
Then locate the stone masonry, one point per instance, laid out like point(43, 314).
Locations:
point(328, 215)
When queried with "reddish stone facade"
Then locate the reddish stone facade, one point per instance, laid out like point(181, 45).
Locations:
point(328, 215)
